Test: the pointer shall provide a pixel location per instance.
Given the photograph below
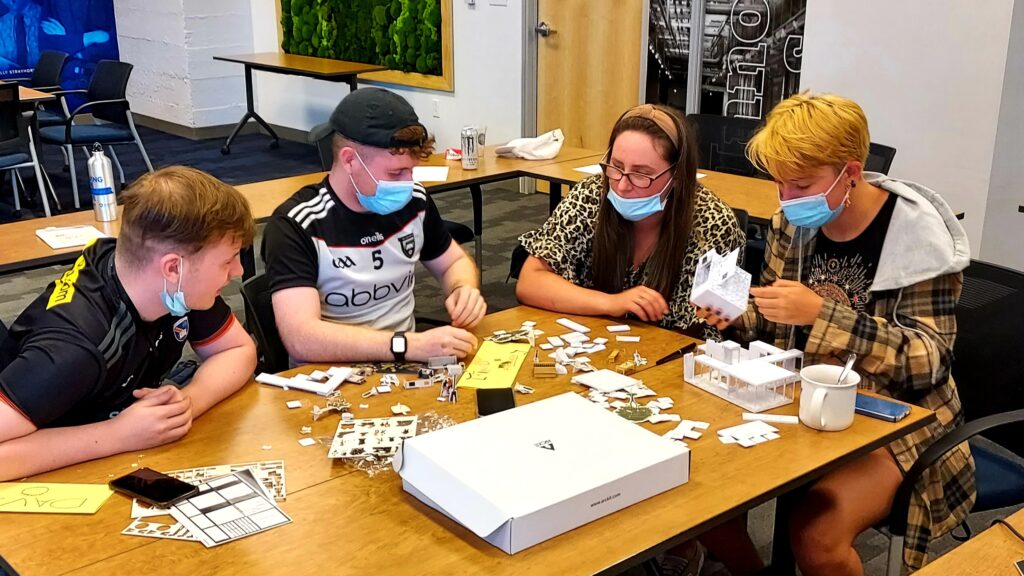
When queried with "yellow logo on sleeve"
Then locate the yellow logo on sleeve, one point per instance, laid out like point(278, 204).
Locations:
point(64, 287)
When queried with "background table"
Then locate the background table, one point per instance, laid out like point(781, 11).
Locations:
point(759, 197)
point(994, 551)
point(280, 63)
point(23, 250)
point(347, 522)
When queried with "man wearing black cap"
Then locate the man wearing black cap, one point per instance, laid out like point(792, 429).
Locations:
point(341, 255)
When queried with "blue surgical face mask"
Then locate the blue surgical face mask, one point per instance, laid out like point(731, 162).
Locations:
point(813, 211)
point(636, 209)
point(175, 303)
point(391, 196)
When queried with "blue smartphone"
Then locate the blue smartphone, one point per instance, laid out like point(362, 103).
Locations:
point(881, 408)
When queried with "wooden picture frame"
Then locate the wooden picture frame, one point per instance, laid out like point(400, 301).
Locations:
point(445, 82)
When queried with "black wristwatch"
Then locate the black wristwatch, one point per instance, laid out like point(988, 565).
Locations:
point(399, 346)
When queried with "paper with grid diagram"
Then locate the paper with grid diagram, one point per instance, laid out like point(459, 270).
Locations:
point(228, 508)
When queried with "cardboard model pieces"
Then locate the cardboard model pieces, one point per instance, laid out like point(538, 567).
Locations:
point(720, 284)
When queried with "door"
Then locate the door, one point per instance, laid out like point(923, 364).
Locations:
point(589, 65)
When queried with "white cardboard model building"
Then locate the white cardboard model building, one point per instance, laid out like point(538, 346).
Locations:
point(522, 476)
point(720, 284)
point(759, 378)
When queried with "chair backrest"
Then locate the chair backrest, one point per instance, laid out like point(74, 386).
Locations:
point(879, 158)
point(321, 136)
point(722, 142)
point(259, 319)
point(13, 128)
point(988, 365)
point(48, 69)
point(110, 82)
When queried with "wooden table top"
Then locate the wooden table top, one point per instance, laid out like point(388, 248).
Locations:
point(23, 249)
point(26, 94)
point(759, 197)
point(303, 65)
point(347, 522)
point(994, 551)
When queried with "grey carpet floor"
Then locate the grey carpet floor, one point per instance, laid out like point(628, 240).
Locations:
point(507, 214)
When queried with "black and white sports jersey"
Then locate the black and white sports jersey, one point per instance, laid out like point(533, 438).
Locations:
point(80, 349)
point(362, 264)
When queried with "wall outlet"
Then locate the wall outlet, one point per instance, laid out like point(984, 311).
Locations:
point(498, 2)
point(436, 107)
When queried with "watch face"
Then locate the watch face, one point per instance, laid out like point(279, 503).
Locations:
point(398, 344)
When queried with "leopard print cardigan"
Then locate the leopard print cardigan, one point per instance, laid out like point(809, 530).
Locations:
point(565, 242)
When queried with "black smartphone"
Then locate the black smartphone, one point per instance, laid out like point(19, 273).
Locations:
point(493, 400)
point(153, 487)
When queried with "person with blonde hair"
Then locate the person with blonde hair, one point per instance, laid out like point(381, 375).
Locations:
point(861, 263)
point(82, 368)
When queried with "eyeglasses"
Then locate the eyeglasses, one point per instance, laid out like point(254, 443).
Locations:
point(635, 178)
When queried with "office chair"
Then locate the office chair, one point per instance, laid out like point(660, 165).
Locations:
point(17, 147)
point(989, 371)
point(879, 158)
point(260, 322)
point(722, 143)
point(106, 102)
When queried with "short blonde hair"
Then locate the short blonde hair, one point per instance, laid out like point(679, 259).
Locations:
point(180, 208)
point(806, 131)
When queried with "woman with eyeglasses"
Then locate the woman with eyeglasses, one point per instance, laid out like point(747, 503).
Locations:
point(863, 263)
point(627, 242)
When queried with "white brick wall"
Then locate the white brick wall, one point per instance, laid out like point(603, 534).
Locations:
point(172, 44)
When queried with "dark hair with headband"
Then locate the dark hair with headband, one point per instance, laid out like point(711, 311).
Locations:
point(613, 238)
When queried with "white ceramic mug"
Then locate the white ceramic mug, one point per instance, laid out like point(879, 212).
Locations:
point(824, 403)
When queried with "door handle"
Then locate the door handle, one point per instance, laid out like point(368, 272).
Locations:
point(543, 29)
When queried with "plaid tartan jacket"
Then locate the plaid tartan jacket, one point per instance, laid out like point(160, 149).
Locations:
point(904, 350)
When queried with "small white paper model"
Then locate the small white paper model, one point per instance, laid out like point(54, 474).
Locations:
point(574, 326)
point(336, 376)
point(605, 380)
point(522, 476)
point(618, 328)
point(720, 284)
point(758, 379)
point(627, 338)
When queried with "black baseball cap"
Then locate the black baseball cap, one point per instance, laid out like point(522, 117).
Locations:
point(371, 116)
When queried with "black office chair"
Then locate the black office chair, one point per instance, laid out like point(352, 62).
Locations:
point(722, 143)
point(989, 371)
point(105, 100)
point(321, 135)
point(46, 75)
point(17, 148)
point(879, 158)
point(260, 322)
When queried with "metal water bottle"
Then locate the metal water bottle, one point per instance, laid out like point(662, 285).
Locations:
point(470, 148)
point(101, 182)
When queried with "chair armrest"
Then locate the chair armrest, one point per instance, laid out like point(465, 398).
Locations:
point(48, 89)
point(71, 117)
point(66, 92)
point(901, 502)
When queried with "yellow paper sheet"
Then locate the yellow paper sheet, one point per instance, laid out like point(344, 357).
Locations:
point(495, 365)
point(52, 498)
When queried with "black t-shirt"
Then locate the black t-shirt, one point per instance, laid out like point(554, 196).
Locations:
point(843, 271)
point(362, 264)
point(77, 352)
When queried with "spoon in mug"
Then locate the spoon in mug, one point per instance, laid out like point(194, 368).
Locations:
point(846, 369)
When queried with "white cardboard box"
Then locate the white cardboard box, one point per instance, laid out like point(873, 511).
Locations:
point(522, 476)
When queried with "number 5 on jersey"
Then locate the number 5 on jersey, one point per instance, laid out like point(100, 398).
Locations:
point(378, 261)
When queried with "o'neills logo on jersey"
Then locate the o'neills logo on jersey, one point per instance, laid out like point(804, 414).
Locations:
point(356, 297)
point(378, 237)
